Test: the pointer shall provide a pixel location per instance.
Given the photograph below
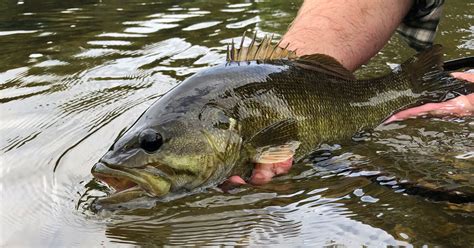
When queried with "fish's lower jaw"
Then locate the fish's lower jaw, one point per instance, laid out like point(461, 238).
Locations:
point(118, 184)
point(122, 196)
point(158, 188)
point(130, 183)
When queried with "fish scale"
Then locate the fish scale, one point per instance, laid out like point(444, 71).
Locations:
point(219, 121)
point(314, 102)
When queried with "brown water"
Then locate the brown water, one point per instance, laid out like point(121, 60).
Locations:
point(75, 73)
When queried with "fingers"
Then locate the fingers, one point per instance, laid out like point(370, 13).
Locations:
point(283, 167)
point(232, 183)
point(459, 106)
point(412, 112)
point(236, 180)
point(261, 174)
point(464, 75)
point(264, 172)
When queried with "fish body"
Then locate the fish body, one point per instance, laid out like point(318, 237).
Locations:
point(221, 120)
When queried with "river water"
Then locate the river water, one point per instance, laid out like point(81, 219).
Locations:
point(73, 74)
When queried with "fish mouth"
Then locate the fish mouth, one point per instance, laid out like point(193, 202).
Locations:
point(129, 183)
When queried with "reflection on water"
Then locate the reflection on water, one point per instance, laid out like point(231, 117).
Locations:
point(73, 75)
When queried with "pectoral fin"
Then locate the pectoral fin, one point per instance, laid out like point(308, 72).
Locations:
point(278, 133)
point(275, 143)
point(276, 154)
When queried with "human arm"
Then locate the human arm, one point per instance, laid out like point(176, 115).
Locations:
point(351, 31)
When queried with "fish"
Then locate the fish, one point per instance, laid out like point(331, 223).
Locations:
point(265, 104)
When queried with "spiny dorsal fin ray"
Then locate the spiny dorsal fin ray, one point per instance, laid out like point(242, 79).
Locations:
point(263, 50)
point(266, 51)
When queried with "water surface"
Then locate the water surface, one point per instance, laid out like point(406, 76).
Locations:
point(74, 74)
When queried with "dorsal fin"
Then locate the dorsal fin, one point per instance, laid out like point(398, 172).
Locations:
point(325, 64)
point(265, 51)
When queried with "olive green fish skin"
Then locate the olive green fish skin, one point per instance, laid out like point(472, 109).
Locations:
point(208, 121)
point(326, 108)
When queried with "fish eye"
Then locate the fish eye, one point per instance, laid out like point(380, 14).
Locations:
point(150, 140)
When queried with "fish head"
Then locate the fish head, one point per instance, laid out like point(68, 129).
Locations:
point(173, 156)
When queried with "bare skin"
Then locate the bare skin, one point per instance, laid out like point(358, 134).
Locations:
point(261, 174)
point(352, 32)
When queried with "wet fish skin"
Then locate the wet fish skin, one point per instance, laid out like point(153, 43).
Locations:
point(216, 122)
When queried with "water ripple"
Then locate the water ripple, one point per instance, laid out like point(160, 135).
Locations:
point(106, 43)
point(201, 25)
point(244, 23)
point(5, 33)
point(76, 73)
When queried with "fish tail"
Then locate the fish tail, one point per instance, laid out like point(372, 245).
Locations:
point(425, 73)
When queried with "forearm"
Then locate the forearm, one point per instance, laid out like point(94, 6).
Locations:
point(351, 31)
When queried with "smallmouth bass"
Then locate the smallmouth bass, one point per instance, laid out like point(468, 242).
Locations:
point(264, 105)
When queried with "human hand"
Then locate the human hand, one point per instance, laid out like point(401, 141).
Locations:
point(459, 106)
point(261, 174)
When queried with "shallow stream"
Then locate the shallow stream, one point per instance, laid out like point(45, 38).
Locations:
point(73, 74)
